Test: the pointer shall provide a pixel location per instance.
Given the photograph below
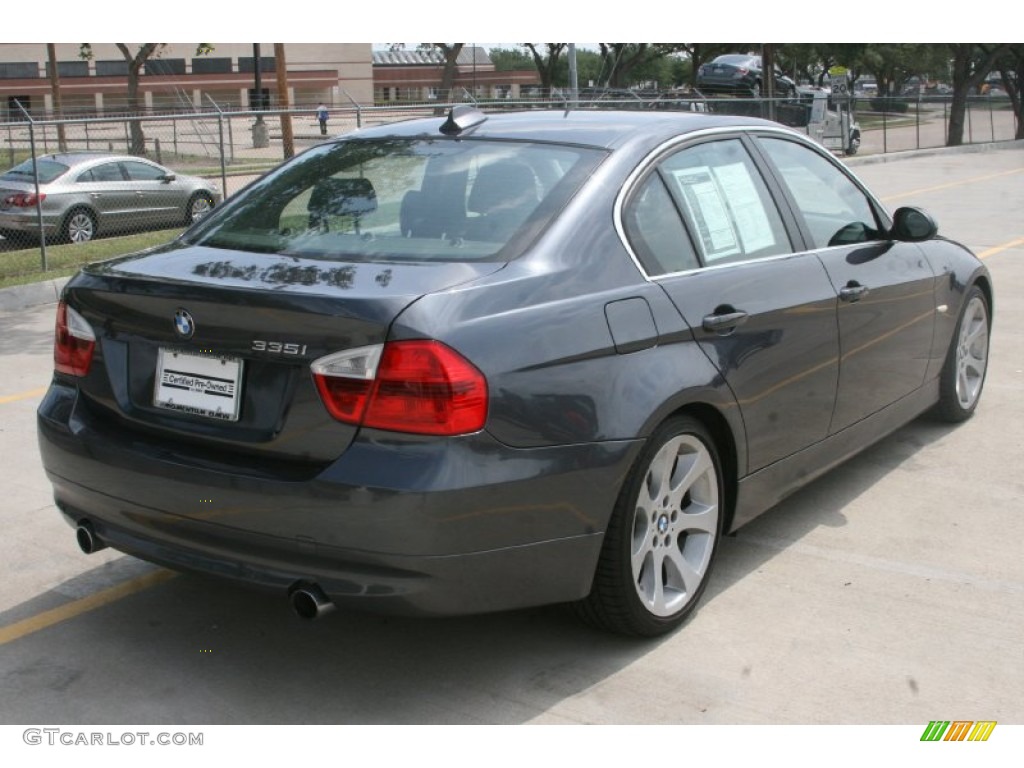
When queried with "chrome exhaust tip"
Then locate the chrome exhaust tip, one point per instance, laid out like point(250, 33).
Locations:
point(87, 539)
point(309, 601)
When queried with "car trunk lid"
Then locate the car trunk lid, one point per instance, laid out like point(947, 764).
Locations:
point(212, 348)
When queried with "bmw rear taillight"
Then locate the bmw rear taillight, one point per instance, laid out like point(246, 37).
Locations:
point(422, 387)
point(74, 342)
point(24, 199)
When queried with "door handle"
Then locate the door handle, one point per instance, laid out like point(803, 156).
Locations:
point(853, 291)
point(726, 321)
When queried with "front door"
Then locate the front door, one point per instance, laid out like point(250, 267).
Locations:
point(885, 288)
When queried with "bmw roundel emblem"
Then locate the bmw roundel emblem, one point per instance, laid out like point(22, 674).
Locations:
point(184, 325)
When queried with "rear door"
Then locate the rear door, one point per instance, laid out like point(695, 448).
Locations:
point(704, 224)
point(885, 287)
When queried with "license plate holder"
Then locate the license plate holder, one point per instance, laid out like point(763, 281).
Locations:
point(206, 385)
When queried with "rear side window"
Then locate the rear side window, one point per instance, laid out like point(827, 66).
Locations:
point(49, 170)
point(725, 202)
point(656, 232)
point(105, 172)
point(419, 200)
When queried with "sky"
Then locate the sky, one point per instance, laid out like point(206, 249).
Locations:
point(794, 21)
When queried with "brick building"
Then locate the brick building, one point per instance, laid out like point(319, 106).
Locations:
point(177, 79)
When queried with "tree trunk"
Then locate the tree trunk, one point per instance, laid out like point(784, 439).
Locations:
point(546, 68)
point(451, 56)
point(137, 142)
point(1012, 79)
point(967, 76)
point(62, 139)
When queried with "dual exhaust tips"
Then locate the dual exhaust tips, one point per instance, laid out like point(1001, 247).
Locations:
point(308, 600)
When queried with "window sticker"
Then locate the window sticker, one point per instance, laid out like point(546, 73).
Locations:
point(726, 209)
point(708, 211)
point(747, 210)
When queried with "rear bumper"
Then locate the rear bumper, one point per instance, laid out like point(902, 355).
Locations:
point(25, 220)
point(397, 524)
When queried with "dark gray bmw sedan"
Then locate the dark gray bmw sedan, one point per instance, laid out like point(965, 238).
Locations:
point(478, 363)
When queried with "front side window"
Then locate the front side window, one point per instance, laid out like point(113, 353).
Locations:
point(143, 171)
point(403, 199)
point(725, 202)
point(835, 210)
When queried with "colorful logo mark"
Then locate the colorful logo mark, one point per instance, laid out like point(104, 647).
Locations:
point(958, 730)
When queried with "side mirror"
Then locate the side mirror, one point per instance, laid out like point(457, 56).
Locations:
point(912, 225)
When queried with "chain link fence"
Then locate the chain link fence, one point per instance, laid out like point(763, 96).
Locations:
point(232, 147)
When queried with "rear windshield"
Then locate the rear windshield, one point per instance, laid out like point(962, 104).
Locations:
point(403, 200)
point(48, 171)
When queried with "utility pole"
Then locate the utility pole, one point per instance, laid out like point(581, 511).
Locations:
point(287, 137)
point(768, 77)
point(58, 111)
point(574, 83)
point(260, 134)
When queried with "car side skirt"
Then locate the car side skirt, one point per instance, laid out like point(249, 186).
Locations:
point(765, 488)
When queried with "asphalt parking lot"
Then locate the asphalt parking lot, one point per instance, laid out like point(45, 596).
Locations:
point(888, 591)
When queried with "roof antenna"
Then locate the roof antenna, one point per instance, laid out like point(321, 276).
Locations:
point(461, 118)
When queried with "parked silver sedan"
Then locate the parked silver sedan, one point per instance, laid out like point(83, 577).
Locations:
point(81, 195)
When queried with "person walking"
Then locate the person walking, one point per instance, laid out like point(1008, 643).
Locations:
point(322, 114)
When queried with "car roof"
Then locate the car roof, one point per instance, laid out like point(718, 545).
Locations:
point(736, 57)
point(80, 158)
point(606, 129)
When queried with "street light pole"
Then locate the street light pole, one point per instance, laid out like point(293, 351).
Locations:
point(260, 134)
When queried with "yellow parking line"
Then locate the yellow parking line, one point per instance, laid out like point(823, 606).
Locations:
point(951, 184)
point(78, 607)
point(23, 395)
point(1000, 248)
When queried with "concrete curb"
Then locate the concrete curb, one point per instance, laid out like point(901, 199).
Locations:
point(892, 157)
point(31, 295)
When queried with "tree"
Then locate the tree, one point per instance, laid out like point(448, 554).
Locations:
point(547, 66)
point(971, 64)
point(136, 60)
point(1011, 69)
point(621, 59)
point(51, 55)
point(451, 52)
point(511, 60)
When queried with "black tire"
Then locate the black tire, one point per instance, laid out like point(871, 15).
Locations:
point(79, 226)
point(963, 373)
point(199, 205)
point(658, 552)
